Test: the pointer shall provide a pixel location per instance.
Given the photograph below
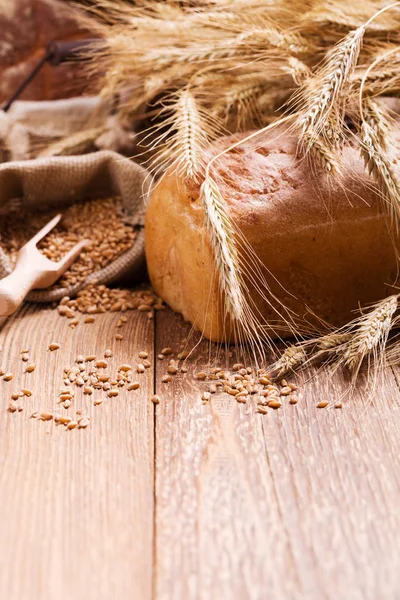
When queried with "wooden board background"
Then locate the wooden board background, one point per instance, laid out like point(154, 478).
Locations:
point(190, 501)
point(76, 506)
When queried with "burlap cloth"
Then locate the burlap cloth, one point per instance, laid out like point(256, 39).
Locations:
point(61, 127)
point(60, 181)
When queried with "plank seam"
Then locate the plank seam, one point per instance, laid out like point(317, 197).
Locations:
point(153, 591)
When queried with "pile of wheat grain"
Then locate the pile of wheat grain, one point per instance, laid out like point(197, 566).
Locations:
point(98, 221)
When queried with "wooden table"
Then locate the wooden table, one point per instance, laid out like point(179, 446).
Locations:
point(183, 500)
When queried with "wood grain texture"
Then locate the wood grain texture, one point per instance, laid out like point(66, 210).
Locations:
point(76, 514)
point(299, 503)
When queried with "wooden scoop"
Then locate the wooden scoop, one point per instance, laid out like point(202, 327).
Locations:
point(34, 270)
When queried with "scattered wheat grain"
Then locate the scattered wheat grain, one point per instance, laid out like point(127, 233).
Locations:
point(45, 416)
point(133, 386)
point(323, 404)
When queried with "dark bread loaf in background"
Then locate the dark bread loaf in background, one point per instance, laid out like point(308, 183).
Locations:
point(26, 27)
point(328, 242)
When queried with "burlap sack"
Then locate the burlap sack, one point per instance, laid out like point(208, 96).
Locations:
point(61, 127)
point(61, 181)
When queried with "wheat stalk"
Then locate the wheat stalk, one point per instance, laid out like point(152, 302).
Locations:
point(371, 331)
point(325, 93)
point(76, 143)
point(380, 166)
point(226, 256)
point(392, 353)
point(246, 46)
point(338, 16)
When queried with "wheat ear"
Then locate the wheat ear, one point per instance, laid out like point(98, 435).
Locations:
point(371, 331)
point(380, 166)
point(295, 356)
point(226, 255)
point(298, 70)
point(326, 91)
point(386, 81)
point(378, 120)
point(191, 136)
point(290, 360)
point(374, 143)
point(241, 100)
point(322, 152)
point(333, 342)
point(221, 232)
point(186, 133)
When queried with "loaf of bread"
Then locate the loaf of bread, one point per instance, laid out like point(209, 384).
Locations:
point(327, 244)
point(26, 27)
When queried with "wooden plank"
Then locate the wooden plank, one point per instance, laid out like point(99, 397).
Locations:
point(336, 475)
point(76, 515)
point(299, 503)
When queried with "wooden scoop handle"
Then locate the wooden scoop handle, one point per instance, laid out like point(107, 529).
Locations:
point(15, 286)
point(33, 270)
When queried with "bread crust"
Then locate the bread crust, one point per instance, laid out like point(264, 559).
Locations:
point(326, 243)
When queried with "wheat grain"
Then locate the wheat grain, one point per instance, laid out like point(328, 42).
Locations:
point(323, 404)
point(45, 416)
point(285, 390)
point(274, 404)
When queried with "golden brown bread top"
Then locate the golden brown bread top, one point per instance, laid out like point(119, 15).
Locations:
point(268, 174)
